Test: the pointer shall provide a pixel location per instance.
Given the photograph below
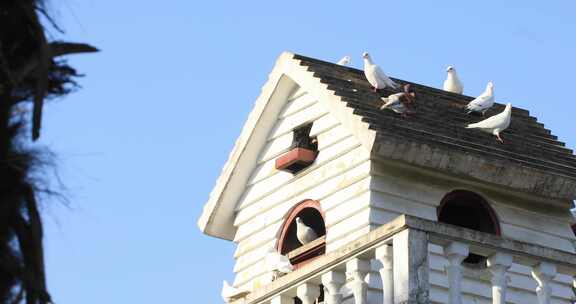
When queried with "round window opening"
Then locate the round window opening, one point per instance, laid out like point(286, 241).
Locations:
point(311, 218)
point(309, 214)
point(469, 210)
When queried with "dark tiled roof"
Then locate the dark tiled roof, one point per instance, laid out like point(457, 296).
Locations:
point(440, 120)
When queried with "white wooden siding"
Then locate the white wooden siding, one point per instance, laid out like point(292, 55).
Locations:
point(400, 194)
point(339, 179)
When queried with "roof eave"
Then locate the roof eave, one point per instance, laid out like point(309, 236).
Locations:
point(555, 188)
point(210, 221)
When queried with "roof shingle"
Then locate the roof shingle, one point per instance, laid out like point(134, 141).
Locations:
point(440, 119)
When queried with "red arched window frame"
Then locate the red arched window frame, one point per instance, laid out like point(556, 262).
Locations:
point(308, 252)
point(465, 195)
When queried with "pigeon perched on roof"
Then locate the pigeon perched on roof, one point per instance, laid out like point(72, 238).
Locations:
point(345, 61)
point(483, 102)
point(452, 82)
point(304, 234)
point(230, 293)
point(375, 76)
point(495, 124)
point(277, 263)
point(401, 103)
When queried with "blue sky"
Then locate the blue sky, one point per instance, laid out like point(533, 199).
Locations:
point(142, 143)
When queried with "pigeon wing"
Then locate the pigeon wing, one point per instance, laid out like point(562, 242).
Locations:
point(384, 78)
point(344, 61)
point(278, 262)
point(284, 264)
point(480, 103)
point(391, 100)
point(447, 86)
point(496, 121)
point(308, 235)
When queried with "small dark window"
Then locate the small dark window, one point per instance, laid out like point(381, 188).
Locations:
point(468, 209)
point(302, 153)
point(301, 138)
point(311, 214)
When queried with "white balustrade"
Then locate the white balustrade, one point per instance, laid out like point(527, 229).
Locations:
point(333, 282)
point(282, 299)
point(498, 265)
point(544, 273)
point(357, 269)
point(411, 284)
point(308, 293)
point(384, 254)
point(402, 253)
point(455, 253)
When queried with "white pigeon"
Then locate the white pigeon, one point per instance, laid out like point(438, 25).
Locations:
point(394, 103)
point(400, 103)
point(452, 82)
point(375, 76)
point(304, 234)
point(483, 102)
point(495, 124)
point(345, 61)
point(230, 293)
point(277, 263)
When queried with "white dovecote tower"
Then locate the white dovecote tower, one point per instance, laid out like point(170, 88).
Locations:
point(411, 209)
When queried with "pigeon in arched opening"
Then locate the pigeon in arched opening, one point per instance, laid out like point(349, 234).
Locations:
point(304, 234)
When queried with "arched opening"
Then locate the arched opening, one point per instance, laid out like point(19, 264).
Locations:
point(469, 210)
point(311, 214)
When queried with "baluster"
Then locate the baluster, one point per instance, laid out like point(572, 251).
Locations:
point(281, 299)
point(411, 283)
point(358, 269)
point(543, 273)
point(498, 265)
point(384, 254)
point(333, 282)
point(308, 293)
point(455, 253)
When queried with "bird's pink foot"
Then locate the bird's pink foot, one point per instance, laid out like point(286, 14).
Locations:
point(498, 138)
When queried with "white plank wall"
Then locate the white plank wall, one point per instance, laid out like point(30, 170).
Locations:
point(395, 195)
point(339, 179)
point(392, 195)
